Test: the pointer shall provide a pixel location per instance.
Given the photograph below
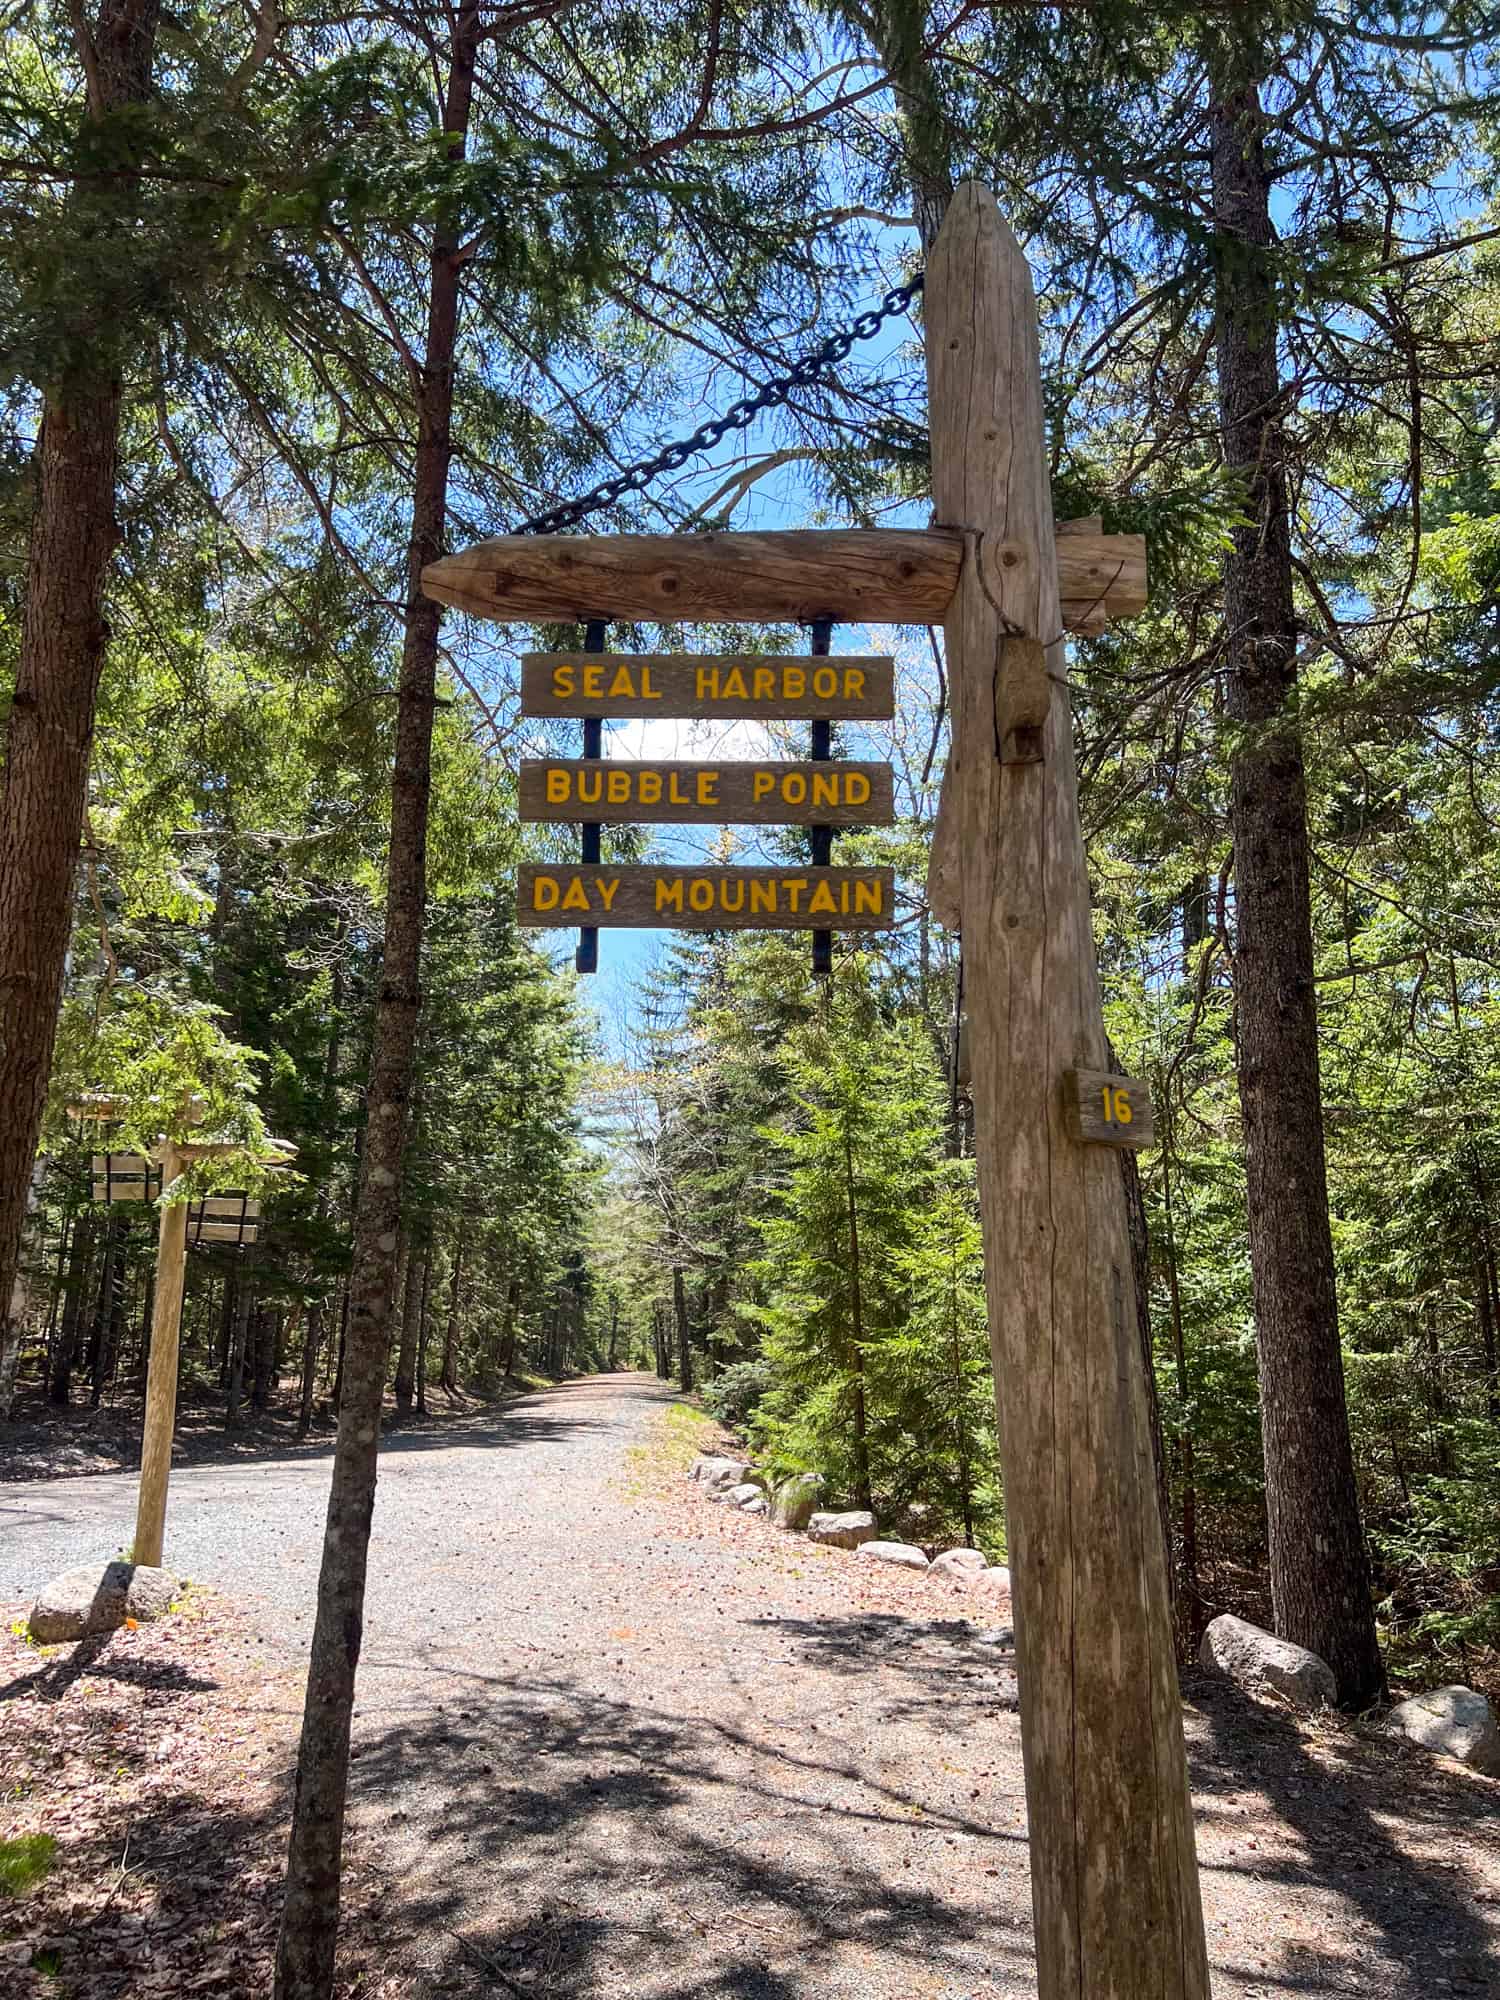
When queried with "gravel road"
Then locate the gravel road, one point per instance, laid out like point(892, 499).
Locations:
point(615, 1740)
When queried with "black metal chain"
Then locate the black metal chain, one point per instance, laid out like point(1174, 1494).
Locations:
point(811, 369)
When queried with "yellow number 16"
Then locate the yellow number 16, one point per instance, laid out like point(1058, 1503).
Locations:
point(1117, 1109)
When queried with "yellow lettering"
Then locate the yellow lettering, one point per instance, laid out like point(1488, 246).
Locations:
point(734, 686)
point(854, 683)
point(576, 896)
point(622, 683)
point(607, 889)
point(675, 793)
point(648, 788)
point(794, 888)
point(825, 683)
point(732, 887)
point(763, 899)
point(700, 894)
point(593, 682)
point(668, 894)
point(820, 900)
point(856, 788)
point(761, 784)
point(544, 892)
point(708, 684)
point(868, 899)
point(590, 787)
point(619, 787)
point(844, 897)
point(764, 679)
point(562, 683)
point(794, 788)
point(708, 788)
point(825, 791)
point(793, 683)
point(648, 693)
point(559, 787)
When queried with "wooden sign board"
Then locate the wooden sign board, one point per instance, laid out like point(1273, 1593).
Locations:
point(125, 1177)
point(705, 899)
point(1106, 1110)
point(223, 1218)
point(832, 794)
point(722, 687)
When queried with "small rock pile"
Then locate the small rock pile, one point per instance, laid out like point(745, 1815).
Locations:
point(794, 1506)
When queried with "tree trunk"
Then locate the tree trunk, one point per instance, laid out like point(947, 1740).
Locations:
point(684, 1335)
point(422, 1326)
point(1320, 1576)
point(309, 1924)
point(512, 1304)
point(238, 1338)
point(1188, 1605)
point(614, 1331)
point(411, 1306)
point(312, 1339)
point(1487, 1340)
point(60, 1385)
point(267, 1342)
point(105, 1333)
point(449, 1376)
point(856, 1334)
point(50, 732)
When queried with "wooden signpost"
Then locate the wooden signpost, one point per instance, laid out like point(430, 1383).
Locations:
point(1114, 1874)
point(212, 1219)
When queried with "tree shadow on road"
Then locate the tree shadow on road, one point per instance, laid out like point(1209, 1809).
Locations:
point(1410, 1903)
point(555, 1840)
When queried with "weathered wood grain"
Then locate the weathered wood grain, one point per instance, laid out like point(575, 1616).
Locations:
point(704, 899)
point(876, 575)
point(1114, 1875)
point(161, 1371)
point(837, 793)
point(1106, 1110)
point(722, 687)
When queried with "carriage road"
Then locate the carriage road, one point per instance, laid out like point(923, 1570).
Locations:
point(616, 1740)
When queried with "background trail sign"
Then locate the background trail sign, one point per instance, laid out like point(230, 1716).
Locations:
point(1114, 1873)
point(713, 687)
point(710, 899)
point(833, 794)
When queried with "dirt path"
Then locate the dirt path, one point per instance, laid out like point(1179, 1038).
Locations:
point(615, 1740)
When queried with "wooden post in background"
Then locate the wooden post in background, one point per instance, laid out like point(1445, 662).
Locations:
point(1114, 1873)
point(161, 1373)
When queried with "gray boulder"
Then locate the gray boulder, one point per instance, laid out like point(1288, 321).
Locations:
point(82, 1602)
point(1455, 1722)
point(961, 1565)
point(795, 1500)
point(755, 1506)
point(900, 1553)
point(743, 1494)
point(842, 1531)
point(719, 1473)
point(1262, 1664)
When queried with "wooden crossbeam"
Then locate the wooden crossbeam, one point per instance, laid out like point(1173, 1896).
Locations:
point(861, 575)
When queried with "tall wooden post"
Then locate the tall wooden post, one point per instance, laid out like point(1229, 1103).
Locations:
point(161, 1373)
point(1114, 1874)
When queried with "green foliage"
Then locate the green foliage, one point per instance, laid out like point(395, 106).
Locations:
point(736, 1392)
point(25, 1860)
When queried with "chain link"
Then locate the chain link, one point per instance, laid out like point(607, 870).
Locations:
point(804, 374)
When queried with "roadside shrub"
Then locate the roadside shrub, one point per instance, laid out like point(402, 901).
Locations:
point(735, 1393)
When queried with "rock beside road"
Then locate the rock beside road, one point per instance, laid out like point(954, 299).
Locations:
point(963, 1565)
point(843, 1531)
point(745, 1494)
point(1260, 1663)
point(99, 1598)
point(718, 1474)
point(796, 1500)
point(1455, 1722)
point(903, 1554)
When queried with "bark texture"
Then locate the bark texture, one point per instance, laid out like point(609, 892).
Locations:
point(51, 725)
point(1320, 1579)
point(309, 1925)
